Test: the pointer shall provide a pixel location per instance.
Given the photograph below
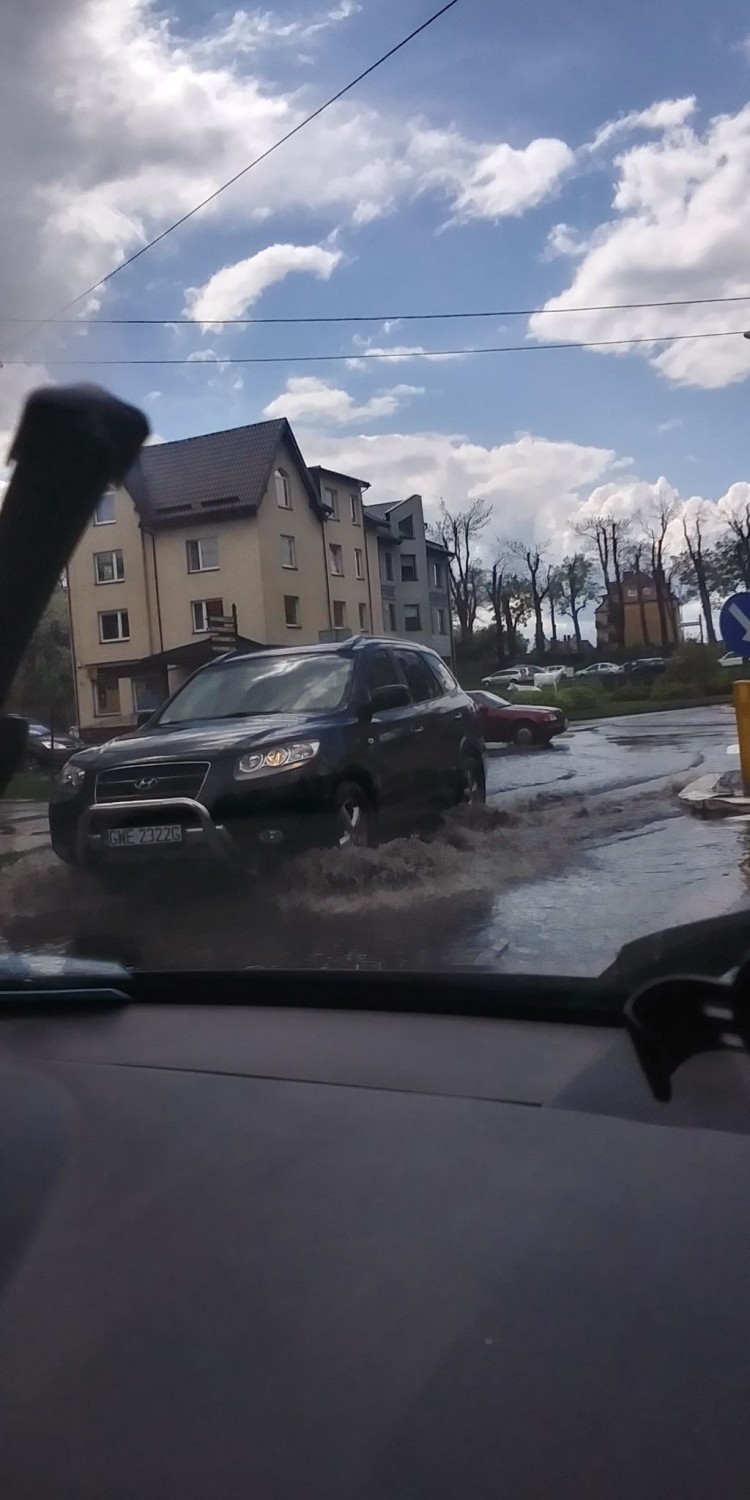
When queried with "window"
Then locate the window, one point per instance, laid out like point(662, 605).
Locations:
point(288, 554)
point(440, 618)
point(422, 682)
point(391, 622)
point(204, 611)
point(363, 616)
point(380, 671)
point(283, 491)
point(331, 499)
point(408, 567)
point(202, 555)
point(108, 567)
point(104, 513)
point(388, 566)
point(299, 683)
point(446, 679)
point(291, 611)
point(106, 694)
point(354, 505)
point(359, 569)
point(339, 614)
point(406, 527)
point(437, 576)
point(114, 625)
point(336, 555)
point(412, 618)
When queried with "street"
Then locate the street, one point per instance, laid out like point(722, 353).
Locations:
point(581, 848)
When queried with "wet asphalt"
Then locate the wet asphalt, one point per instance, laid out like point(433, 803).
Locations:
point(594, 851)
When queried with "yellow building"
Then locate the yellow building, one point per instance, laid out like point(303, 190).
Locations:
point(213, 540)
point(633, 607)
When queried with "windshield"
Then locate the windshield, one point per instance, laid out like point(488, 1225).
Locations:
point(263, 685)
point(446, 379)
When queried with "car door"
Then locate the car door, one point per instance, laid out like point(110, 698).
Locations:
point(438, 726)
point(389, 748)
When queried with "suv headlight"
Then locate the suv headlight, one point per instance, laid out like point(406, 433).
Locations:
point(280, 758)
point(71, 776)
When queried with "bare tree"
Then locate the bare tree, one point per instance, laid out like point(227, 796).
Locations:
point(552, 593)
point(608, 535)
point(656, 530)
point(738, 522)
point(634, 559)
point(532, 555)
point(577, 588)
point(458, 530)
point(694, 542)
point(510, 601)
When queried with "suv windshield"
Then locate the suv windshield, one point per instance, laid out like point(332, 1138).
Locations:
point(264, 685)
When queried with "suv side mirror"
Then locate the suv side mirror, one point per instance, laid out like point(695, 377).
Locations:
point(391, 695)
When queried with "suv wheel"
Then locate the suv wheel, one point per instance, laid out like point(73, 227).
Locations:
point(473, 787)
point(354, 818)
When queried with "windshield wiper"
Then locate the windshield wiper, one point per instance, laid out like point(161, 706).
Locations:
point(70, 444)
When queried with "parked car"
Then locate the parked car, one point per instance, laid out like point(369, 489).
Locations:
point(47, 751)
point(600, 669)
point(563, 669)
point(646, 666)
point(508, 676)
point(516, 723)
point(730, 660)
point(334, 744)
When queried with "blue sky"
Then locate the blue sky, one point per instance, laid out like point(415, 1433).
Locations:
point(511, 155)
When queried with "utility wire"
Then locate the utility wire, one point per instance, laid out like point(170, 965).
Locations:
point(54, 317)
point(425, 317)
point(291, 359)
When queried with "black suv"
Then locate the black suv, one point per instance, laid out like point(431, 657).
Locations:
point(325, 744)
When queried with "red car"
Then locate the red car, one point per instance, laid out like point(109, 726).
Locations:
point(517, 723)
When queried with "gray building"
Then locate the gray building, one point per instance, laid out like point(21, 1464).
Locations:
point(413, 575)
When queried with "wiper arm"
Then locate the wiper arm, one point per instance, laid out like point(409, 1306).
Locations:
point(70, 444)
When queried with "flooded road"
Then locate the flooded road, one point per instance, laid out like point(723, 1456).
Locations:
point(581, 848)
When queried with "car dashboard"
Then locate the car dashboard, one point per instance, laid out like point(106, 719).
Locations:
point(327, 1250)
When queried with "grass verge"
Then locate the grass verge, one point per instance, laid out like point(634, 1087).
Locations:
point(28, 786)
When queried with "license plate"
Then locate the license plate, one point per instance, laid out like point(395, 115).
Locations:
point(124, 838)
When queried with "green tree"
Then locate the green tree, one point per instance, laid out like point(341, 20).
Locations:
point(43, 686)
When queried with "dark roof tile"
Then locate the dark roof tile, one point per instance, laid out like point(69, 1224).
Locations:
point(217, 472)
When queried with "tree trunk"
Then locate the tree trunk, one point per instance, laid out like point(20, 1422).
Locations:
point(574, 613)
point(705, 599)
point(552, 621)
point(642, 609)
point(539, 638)
point(510, 629)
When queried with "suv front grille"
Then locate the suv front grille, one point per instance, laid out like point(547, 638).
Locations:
point(141, 783)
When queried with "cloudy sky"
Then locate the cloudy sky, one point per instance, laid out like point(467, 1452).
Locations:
point(516, 156)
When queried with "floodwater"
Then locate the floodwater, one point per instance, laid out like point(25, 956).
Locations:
point(580, 849)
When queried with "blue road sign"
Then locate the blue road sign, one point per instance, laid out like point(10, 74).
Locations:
point(734, 624)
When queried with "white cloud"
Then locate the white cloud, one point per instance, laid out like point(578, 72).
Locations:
point(391, 354)
point(534, 484)
point(670, 426)
point(680, 228)
point(230, 291)
point(665, 114)
point(251, 31)
point(308, 399)
point(112, 125)
point(506, 182)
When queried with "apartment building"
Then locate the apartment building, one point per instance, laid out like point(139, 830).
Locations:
point(413, 573)
point(227, 537)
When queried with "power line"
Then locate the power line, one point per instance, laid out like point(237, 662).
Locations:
point(394, 356)
point(248, 168)
point(424, 317)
